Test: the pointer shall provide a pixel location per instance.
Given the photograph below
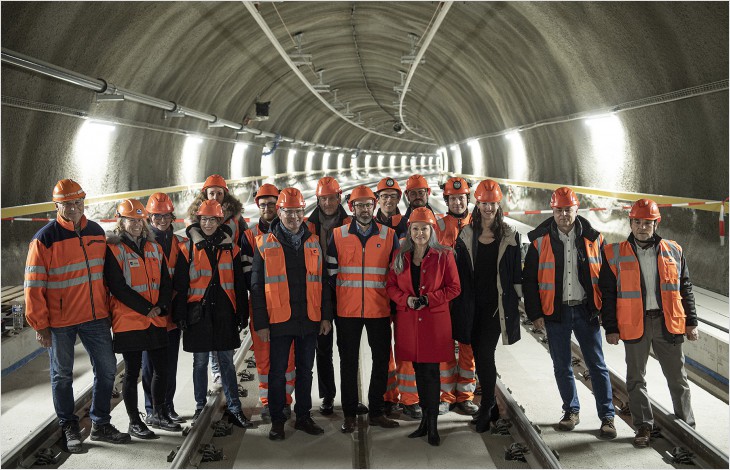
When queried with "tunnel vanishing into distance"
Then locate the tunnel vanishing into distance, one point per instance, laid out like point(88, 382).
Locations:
point(614, 97)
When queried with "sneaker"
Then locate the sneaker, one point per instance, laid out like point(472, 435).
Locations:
point(608, 430)
point(72, 434)
point(414, 411)
point(148, 417)
point(467, 407)
point(570, 419)
point(643, 436)
point(108, 433)
point(308, 425)
point(444, 407)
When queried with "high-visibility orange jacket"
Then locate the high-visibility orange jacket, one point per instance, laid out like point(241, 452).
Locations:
point(238, 225)
point(391, 221)
point(142, 274)
point(201, 272)
point(542, 282)
point(64, 275)
point(358, 269)
point(313, 224)
point(276, 282)
point(448, 228)
point(624, 290)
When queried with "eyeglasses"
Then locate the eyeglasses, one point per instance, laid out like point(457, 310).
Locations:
point(293, 212)
point(418, 192)
point(158, 217)
point(265, 206)
point(208, 220)
point(387, 197)
point(77, 203)
point(363, 205)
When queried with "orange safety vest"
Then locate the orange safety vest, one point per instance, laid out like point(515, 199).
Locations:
point(362, 273)
point(448, 228)
point(143, 275)
point(277, 284)
point(201, 272)
point(64, 275)
point(629, 302)
point(233, 224)
point(312, 228)
point(546, 271)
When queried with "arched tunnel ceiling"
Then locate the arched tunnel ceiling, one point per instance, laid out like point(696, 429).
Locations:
point(491, 65)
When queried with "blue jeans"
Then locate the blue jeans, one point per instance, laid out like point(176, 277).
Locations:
point(228, 379)
point(576, 320)
point(304, 347)
point(97, 340)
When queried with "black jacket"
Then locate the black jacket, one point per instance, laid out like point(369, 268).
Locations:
point(299, 323)
point(533, 307)
point(153, 337)
point(219, 327)
point(509, 261)
point(607, 283)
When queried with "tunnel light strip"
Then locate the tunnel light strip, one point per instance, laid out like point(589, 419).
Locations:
point(251, 7)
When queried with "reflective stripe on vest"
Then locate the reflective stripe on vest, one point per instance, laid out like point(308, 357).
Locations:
point(363, 273)
point(629, 302)
point(546, 270)
point(143, 275)
point(174, 250)
point(276, 285)
point(201, 272)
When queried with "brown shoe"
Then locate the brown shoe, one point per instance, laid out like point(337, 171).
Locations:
point(570, 419)
point(643, 436)
point(608, 429)
point(382, 421)
point(349, 425)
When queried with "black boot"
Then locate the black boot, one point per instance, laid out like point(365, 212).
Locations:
point(138, 429)
point(433, 433)
point(483, 421)
point(161, 420)
point(422, 428)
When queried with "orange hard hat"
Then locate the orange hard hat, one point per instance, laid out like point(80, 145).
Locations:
point(215, 180)
point(327, 186)
point(388, 183)
point(360, 192)
point(456, 185)
point(210, 208)
point(645, 209)
point(67, 190)
point(564, 197)
point(266, 190)
point(417, 182)
point(291, 198)
point(132, 209)
point(488, 191)
point(160, 203)
point(422, 214)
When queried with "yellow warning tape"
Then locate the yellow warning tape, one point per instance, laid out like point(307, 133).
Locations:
point(713, 206)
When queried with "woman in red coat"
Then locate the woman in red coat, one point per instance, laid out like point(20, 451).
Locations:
point(422, 282)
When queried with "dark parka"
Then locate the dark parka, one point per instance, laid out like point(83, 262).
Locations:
point(509, 285)
point(533, 307)
point(153, 337)
point(219, 327)
point(607, 283)
point(299, 323)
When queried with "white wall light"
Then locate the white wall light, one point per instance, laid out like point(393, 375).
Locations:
point(391, 166)
point(517, 156)
point(290, 161)
point(441, 152)
point(403, 163)
point(475, 149)
point(191, 160)
point(608, 143)
point(91, 154)
point(326, 163)
point(381, 159)
point(340, 161)
point(456, 158)
point(310, 162)
point(430, 162)
point(368, 160)
point(239, 151)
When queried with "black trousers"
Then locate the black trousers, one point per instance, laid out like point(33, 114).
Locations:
point(325, 366)
point(428, 384)
point(349, 333)
point(132, 366)
point(484, 343)
point(173, 352)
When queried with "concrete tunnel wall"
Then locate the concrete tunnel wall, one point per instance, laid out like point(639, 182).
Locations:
point(491, 67)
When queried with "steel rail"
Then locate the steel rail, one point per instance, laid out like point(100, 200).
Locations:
point(49, 432)
point(538, 448)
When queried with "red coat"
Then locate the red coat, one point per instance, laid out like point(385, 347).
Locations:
point(425, 335)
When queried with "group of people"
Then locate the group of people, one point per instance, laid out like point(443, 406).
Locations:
point(419, 283)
